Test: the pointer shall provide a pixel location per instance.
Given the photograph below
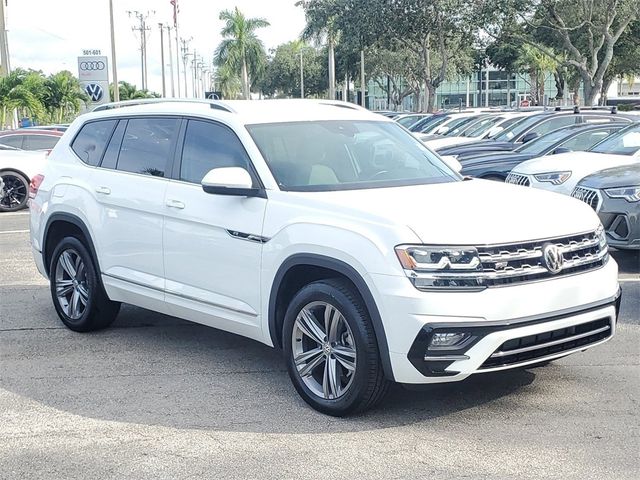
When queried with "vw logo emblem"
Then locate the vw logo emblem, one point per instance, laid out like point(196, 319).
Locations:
point(94, 91)
point(552, 257)
point(89, 66)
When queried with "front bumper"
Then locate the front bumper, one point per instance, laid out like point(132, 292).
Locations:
point(621, 220)
point(498, 315)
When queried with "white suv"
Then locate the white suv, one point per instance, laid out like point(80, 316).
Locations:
point(321, 229)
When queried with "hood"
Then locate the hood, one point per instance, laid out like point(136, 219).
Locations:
point(470, 212)
point(624, 176)
point(580, 163)
point(493, 158)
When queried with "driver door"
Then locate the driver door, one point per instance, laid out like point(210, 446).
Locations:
point(212, 243)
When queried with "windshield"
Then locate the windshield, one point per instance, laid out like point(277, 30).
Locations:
point(434, 123)
point(482, 126)
point(345, 155)
point(410, 120)
point(517, 128)
point(454, 127)
point(625, 142)
point(540, 144)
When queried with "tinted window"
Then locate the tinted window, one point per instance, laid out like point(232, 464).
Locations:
point(586, 140)
point(553, 124)
point(12, 140)
point(148, 145)
point(90, 143)
point(624, 142)
point(39, 142)
point(207, 146)
point(110, 158)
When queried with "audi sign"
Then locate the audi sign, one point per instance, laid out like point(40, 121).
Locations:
point(93, 72)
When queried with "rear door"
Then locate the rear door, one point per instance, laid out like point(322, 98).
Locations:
point(212, 243)
point(129, 190)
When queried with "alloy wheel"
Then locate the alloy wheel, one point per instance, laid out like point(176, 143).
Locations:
point(15, 192)
point(324, 350)
point(71, 287)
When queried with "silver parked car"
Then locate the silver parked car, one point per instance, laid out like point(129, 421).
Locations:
point(614, 194)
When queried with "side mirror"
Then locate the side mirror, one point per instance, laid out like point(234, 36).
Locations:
point(529, 136)
point(562, 150)
point(452, 162)
point(230, 181)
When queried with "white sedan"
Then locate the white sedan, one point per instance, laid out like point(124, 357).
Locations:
point(561, 173)
point(17, 168)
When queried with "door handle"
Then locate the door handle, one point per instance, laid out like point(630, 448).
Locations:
point(103, 190)
point(175, 204)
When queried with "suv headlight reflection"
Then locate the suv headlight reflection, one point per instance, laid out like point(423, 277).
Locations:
point(630, 194)
point(555, 178)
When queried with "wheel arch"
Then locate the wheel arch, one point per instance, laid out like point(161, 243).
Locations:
point(66, 222)
point(326, 264)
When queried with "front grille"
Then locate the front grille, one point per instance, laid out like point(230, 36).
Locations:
point(531, 347)
point(524, 262)
point(587, 195)
point(517, 179)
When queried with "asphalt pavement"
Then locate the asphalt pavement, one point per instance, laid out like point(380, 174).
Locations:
point(154, 397)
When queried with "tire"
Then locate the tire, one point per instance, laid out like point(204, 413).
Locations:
point(15, 194)
point(76, 291)
point(350, 350)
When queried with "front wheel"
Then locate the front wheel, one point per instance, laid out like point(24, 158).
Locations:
point(331, 350)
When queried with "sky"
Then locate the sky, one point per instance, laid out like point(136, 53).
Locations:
point(49, 35)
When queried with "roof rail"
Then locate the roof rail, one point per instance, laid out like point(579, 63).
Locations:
point(214, 104)
point(342, 104)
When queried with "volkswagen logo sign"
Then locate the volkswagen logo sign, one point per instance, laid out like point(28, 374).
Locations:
point(552, 258)
point(94, 91)
point(93, 65)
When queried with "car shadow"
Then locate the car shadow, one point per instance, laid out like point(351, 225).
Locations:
point(628, 260)
point(153, 369)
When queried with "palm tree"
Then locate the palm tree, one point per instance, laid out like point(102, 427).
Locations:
point(64, 95)
point(228, 82)
point(129, 91)
point(14, 93)
point(241, 50)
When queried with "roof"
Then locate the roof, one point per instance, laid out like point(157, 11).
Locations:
point(32, 131)
point(245, 111)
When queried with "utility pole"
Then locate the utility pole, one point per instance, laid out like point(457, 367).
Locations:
point(363, 86)
point(185, 58)
point(301, 76)
point(175, 27)
point(164, 83)
point(114, 68)
point(194, 68)
point(5, 67)
point(173, 91)
point(142, 29)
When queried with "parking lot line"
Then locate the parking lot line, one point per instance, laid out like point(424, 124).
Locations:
point(15, 214)
point(15, 231)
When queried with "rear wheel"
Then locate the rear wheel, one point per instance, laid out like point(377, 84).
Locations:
point(331, 350)
point(15, 193)
point(77, 294)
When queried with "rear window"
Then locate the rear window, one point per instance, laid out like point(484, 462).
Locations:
point(90, 143)
point(12, 141)
point(40, 142)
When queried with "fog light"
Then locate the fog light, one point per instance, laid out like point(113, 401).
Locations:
point(449, 340)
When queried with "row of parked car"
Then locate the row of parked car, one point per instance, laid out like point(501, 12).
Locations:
point(592, 155)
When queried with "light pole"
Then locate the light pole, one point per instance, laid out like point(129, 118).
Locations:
point(173, 90)
point(5, 68)
point(164, 83)
point(301, 76)
point(114, 68)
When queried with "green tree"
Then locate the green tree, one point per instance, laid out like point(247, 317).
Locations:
point(64, 96)
point(14, 93)
point(538, 64)
point(228, 82)
point(241, 50)
point(282, 76)
point(129, 91)
point(579, 34)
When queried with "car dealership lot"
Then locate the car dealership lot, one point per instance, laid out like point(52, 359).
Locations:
point(156, 397)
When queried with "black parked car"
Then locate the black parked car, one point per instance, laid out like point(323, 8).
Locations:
point(530, 128)
point(614, 194)
point(580, 137)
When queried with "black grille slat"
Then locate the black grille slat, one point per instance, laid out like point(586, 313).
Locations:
point(569, 333)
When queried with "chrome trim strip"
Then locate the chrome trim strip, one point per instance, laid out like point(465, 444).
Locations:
point(445, 358)
point(507, 353)
point(250, 237)
point(505, 257)
point(186, 297)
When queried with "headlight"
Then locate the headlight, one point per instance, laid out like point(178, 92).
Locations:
point(437, 267)
point(555, 178)
point(630, 194)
